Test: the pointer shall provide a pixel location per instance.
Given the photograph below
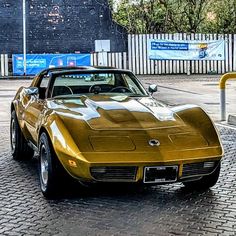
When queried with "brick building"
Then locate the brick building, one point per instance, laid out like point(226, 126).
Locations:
point(63, 26)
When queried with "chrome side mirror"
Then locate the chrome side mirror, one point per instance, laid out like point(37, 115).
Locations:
point(152, 88)
point(31, 91)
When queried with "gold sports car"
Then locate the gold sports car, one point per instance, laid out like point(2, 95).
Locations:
point(101, 125)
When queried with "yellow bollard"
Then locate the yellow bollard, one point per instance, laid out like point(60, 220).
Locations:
point(223, 79)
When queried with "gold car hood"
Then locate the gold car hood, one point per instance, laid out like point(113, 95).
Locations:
point(116, 112)
point(93, 122)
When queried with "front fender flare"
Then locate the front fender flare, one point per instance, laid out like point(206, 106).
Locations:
point(64, 146)
point(198, 119)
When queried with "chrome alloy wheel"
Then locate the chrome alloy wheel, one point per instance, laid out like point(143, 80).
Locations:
point(13, 134)
point(43, 167)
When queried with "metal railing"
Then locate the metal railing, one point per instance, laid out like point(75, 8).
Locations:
point(223, 80)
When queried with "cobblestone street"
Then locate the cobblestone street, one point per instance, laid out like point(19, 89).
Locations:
point(106, 210)
point(117, 118)
point(158, 210)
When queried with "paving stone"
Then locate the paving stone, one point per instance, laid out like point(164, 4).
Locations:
point(157, 210)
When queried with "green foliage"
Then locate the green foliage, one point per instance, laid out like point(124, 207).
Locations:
point(221, 17)
point(185, 16)
point(168, 16)
point(141, 17)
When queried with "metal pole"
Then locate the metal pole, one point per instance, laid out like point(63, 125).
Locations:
point(24, 35)
point(223, 80)
point(222, 104)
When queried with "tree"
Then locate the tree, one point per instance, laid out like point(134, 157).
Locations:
point(141, 16)
point(185, 16)
point(168, 16)
point(221, 17)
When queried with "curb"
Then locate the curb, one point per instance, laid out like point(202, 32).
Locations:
point(232, 120)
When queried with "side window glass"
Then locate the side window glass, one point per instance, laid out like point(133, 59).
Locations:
point(133, 87)
point(43, 87)
point(44, 82)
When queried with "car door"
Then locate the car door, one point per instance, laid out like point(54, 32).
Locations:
point(33, 111)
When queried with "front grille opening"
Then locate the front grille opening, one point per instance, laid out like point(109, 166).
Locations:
point(198, 169)
point(114, 173)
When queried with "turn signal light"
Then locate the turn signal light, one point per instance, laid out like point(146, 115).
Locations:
point(72, 163)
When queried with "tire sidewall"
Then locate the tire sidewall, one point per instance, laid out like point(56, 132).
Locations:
point(16, 130)
point(45, 188)
point(21, 151)
point(12, 149)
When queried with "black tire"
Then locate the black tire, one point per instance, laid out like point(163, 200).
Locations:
point(205, 182)
point(51, 173)
point(19, 147)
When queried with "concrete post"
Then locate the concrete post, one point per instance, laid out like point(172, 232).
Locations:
point(2, 65)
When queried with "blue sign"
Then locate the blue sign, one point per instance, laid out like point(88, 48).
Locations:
point(186, 49)
point(37, 62)
point(169, 46)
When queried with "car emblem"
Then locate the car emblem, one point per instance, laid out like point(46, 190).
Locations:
point(154, 142)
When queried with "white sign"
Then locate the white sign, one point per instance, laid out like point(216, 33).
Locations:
point(186, 50)
point(102, 45)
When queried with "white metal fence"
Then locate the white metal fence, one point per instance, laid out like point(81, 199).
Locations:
point(139, 62)
point(113, 59)
point(136, 59)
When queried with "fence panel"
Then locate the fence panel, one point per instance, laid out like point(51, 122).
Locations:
point(139, 62)
point(226, 53)
point(234, 51)
point(144, 39)
point(114, 59)
point(192, 66)
point(2, 65)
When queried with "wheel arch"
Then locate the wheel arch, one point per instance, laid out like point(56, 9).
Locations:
point(12, 107)
point(60, 138)
point(60, 153)
point(197, 118)
point(43, 130)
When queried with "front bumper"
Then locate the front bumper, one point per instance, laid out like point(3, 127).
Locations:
point(155, 174)
point(128, 171)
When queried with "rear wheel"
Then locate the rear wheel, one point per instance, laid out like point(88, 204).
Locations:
point(206, 181)
point(19, 146)
point(51, 172)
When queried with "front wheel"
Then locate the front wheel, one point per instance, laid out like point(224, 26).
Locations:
point(50, 169)
point(205, 182)
point(19, 146)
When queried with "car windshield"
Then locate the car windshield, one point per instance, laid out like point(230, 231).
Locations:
point(97, 83)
